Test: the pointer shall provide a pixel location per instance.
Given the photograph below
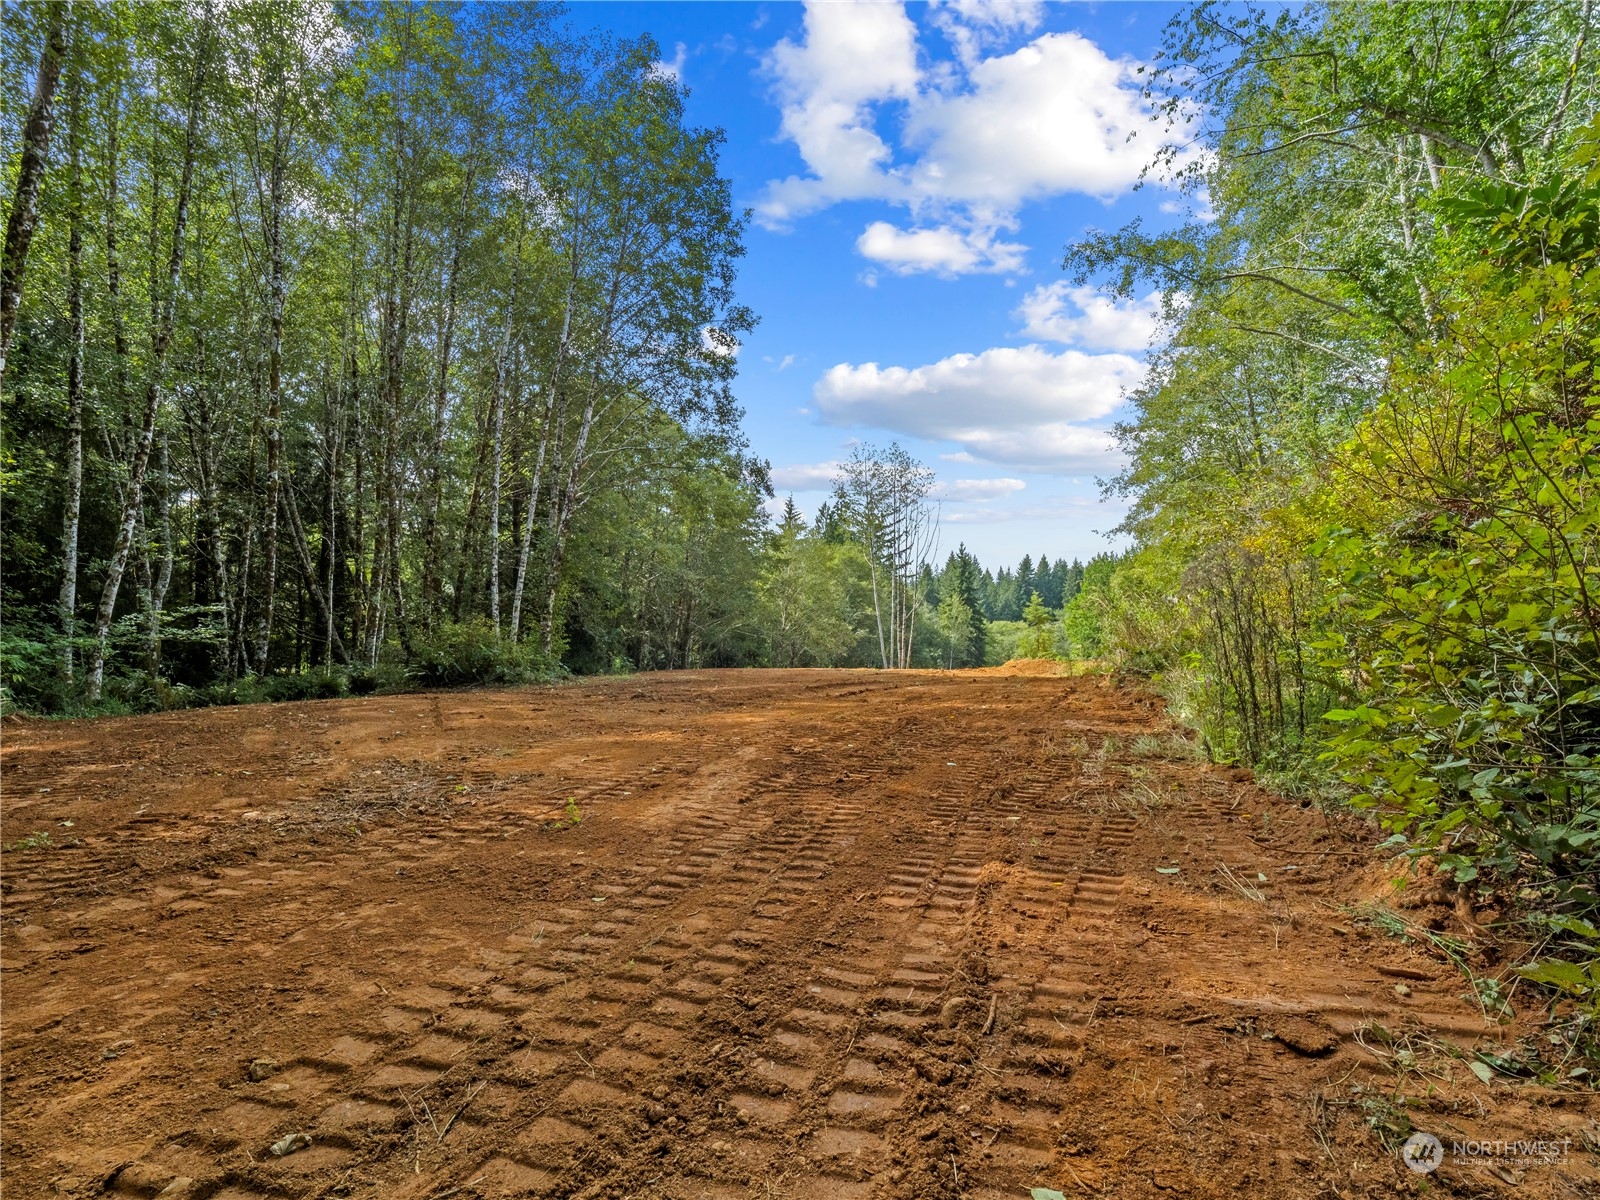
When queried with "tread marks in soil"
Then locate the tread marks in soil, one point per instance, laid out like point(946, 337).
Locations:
point(892, 959)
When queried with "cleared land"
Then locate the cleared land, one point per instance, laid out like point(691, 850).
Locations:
point(812, 934)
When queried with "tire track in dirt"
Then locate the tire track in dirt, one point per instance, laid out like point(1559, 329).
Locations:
point(637, 1008)
point(814, 937)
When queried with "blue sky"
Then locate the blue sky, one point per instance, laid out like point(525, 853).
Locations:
point(915, 171)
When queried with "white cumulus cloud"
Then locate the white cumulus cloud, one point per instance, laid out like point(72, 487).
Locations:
point(974, 140)
point(1058, 447)
point(1023, 406)
point(718, 343)
point(1057, 509)
point(672, 68)
point(1081, 316)
point(978, 490)
point(853, 56)
point(971, 25)
point(805, 477)
point(943, 250)
point(1055, 116)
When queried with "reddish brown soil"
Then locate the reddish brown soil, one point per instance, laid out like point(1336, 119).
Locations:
point(818, 934)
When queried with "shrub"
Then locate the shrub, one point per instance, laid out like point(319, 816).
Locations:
point(1465, 618)
point(454, 655)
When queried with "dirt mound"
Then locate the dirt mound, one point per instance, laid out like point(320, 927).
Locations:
point(808, 934)
point(1031, 667)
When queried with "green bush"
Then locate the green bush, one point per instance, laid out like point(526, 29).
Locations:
point(470, 652)
point(30, 671)
point(1468, 626)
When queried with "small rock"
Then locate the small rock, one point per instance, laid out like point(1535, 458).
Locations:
point(1401, 990)
point(950, 1013)
point(288, 1144)
point(1304, 1037)
point(260, 1068)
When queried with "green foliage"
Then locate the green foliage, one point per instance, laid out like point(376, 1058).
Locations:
point(405, 391)
point(665, 570)
point(1362, 468)
point(469, 652)
point(1041, 639)
point(961, 586)
point(1471, 619)
point(1006, 640)
point(29, 671)
point(809, 596)
point(957, 625)
point(1087, 616)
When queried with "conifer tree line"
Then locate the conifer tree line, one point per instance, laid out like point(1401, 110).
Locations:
point(358, 346)
point(1364, 469)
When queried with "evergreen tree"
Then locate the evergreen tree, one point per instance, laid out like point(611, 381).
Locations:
point(1025, 583)
point(830, 525)
point(961, 580)
point(1048, 582)
point(1039, 641)
point(791, 521)
point(1071, 581)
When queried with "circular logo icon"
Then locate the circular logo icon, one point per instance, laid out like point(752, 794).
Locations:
point(1422, 1153)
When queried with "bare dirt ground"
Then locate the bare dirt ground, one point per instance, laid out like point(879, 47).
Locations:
point(815, 934)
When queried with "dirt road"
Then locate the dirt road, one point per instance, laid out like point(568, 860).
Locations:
point(755, 934)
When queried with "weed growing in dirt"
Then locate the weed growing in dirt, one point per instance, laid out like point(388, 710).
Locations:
point(1243, 886)
point(1386, 1117)
point(1300, 778)
point(38, 840)
point(1567, 1048)
point(1170, 745)
point(1138, 797)
point(1066, 748)
point(571, 816)
point(1408, 1053)
point(1490, 995)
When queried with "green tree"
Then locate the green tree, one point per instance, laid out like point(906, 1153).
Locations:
point(1039, 641)
point(804, 592)
point(957, 624)
point(963, 579)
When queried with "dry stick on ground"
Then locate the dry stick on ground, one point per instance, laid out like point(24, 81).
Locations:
point(471, 1096)
point(415, 1125)
point(456, 1190)
point(1248, 890)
